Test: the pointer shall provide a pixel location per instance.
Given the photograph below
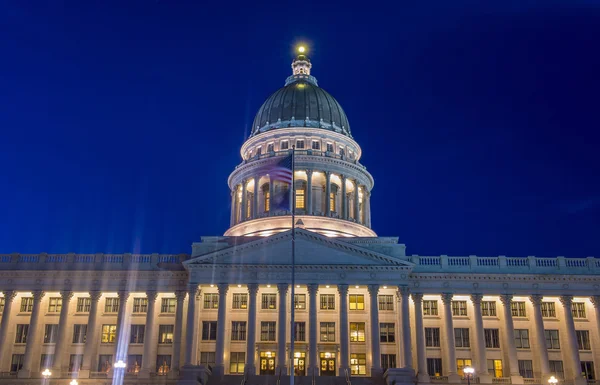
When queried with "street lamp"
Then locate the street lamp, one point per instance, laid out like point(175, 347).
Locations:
point(468, 371)
point(552, 380)
point(46, 373)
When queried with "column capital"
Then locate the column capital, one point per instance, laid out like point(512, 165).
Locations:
point(193, 289)
point(95, 295)
point(309, 172)
point(343, 178)
point(151, 295)
point(180, 295)
point(9, 295)
point(123, 295)
point(282, 288)
point(252, 288)
point(66, 295)
point(536, 299)
point(506, 299)
point(38, 295)
point(223, 288)
point(342, 289)
point(567, 301)
point(312, 288)
point(373, 289)
point(417, 297)
point(403, 291)
point(447, 298)
point(476, 298)
point(595, 299)
point(327, 173)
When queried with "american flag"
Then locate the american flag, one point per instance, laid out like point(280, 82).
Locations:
point(281, 170)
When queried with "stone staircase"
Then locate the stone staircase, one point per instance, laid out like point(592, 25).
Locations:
point(303, 380)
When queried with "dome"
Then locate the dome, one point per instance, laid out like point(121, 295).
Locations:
point(301, 103)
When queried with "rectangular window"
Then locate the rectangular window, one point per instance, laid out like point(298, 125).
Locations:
point(461, 338)
point(267, 198)
point(388, 361)
point(552, 341)
point(583, 339)
point(238, 330)
point(327, 302)
point(387, 332)
point(358, 364)
point(578, 310)
point(207, 358)
point(167, 305)
point(522, 338)
point(240, 301)
point(357, 302)
point(21, 336)
point(300, 301)
point(46, 361)
point(75, 361)
point(488, 308)
point(165, 333)
point(109, 333)
point(209, 330)
point(316, 145)
point(140, 305)
point(269, 301)
point(267, 331)
point(50, 333)
point(432, 337)
point(270, 147)
point(434, 367)
point(386, 302)
point(459, 308)
point(492, 338)
point(300, 198)
point(211, 301)
point(299, 331)
point(587, 370)
point(111, 305)
point(556, 368)
point(54, 304)
point(105, 363)
point(548, 310)
point(237, 361)
point(357, 332)
point(526, 368)
point(79, 333)
point(258, 151)
point(83, 305)
point(430, 307)
point(461, 363)
point(517, 309)
point(2, 305)
point(330, 149)
point(163, 364)
point(137, 334)
point(134, 363)
point(327, 331)
point(16, 363)
point(26, 304)
point(495, 368)
point(285, 145)
point(299, 144)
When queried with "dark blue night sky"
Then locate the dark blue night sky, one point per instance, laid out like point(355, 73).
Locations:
point(121, 121)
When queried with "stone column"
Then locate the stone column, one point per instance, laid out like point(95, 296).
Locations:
point(367, 208)
point(573, 350)
point(176, 359)
point(255, 200)
point(344, 199)
point(271, 190)
point(344, 335)
point(32, 336)
point(540, 337)
point(191, 337)
point(404, 293)
point(309, 202)
point(61, 338)
point(509, 340)
point(327, 193)
point(422, 374)
point(313, 327)
point(233, 211)
point(251, 327)
point(453, 377)
point(480, 349)
point(282, 289)
point(356, 206)
point(149, 357)
point(122, 336)
point(243, 215)
point(375, 343)
point(595, 301)
point(9, 296)
point(219, 369)
point(91, 338)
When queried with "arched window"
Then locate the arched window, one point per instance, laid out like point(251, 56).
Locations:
point(266, 197)
point(300, 187)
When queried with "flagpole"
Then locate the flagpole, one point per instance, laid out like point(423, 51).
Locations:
point(293, 268)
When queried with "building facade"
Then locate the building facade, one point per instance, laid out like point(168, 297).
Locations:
point(362, 306)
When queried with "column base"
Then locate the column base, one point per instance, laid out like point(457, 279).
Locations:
point(423, 377)
point(516, 380)
point(486, 378)
point(24, 373)
point(454, 378)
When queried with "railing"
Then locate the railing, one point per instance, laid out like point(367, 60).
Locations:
point(314, 377)
point(438, 379)
point(347, 372)
point(532, 381)
point(501, 380)
point(85, 261)
point(279, 377)
point(326, 154)
point(98, 375)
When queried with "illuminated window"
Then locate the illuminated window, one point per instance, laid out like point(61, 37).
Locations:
point(54, 305)
point(495, 368)
point(461, 363)
point(211, 301)
point(357, 302)
point(327, 331)
point(299, 198)
point(163, 364)
point(269, 301)
point(548, 310)
point(327, 302)
point(517, 309)
point(578, 310)
point(165, 334)
point(300, 301)
point(459, 308)
point(111, 305)
point(430, 307)
point(240, 301)
point(266, 196)
point(109, 334)
point(488, 308)
point(587, 370)
point(140, 305)
point(168, 305)
point(249, 205)
point(105, 363)
point(26, 304)
point(332, 201)
point(134, 363)
point(358, 364)
point(284, 145)
point(434, 367)
point(2, 305)
point(357, 332)
point(386, 302)
point(236, 362)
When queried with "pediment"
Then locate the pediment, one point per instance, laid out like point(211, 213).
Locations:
point(311, 249)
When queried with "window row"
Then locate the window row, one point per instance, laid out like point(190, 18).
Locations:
point(302, 144)
point(111, 305)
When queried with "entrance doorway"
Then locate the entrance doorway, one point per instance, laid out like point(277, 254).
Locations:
point(267, 363)
point(299, 364)
point(328, 364)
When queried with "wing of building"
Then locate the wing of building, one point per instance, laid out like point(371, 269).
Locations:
point(363, 310)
